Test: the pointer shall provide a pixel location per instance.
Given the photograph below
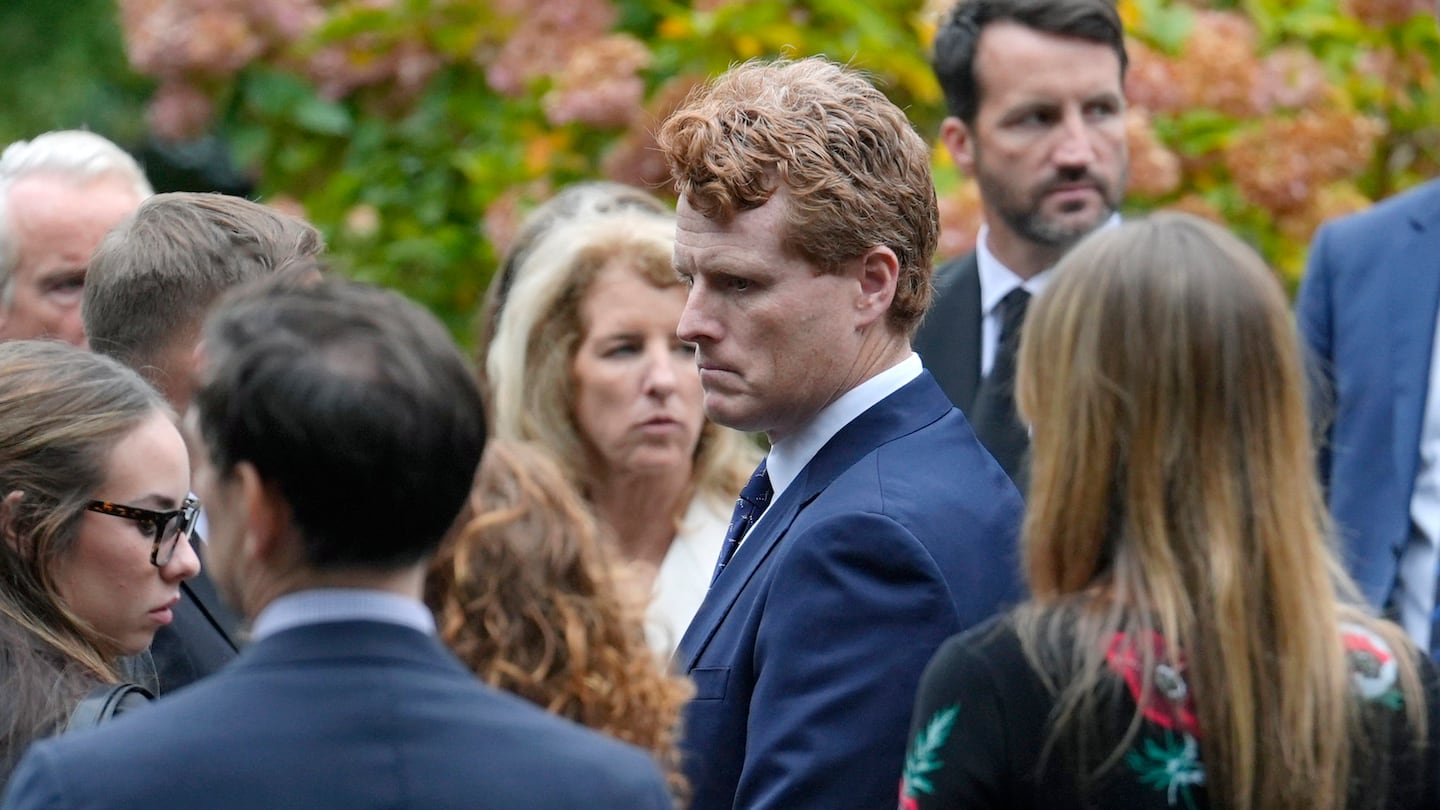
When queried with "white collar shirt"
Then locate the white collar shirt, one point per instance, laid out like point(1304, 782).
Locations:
point(996, 282)
point(790, 455)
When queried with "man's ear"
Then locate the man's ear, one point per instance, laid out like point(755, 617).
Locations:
point(959, 142)
point(9, 508)
point(879, 273)
point(267, 514)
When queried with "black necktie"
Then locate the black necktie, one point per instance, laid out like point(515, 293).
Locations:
point(993, 416)
point(748, 508)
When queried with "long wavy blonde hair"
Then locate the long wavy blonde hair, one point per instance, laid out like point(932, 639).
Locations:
point(540, 329)
point(534, 602)
point(1173, 491)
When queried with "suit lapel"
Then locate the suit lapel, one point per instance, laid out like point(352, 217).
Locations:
point(1414, 297)
point(737, 574)
point(967, 334)
point(917, 404)
point(949, 340)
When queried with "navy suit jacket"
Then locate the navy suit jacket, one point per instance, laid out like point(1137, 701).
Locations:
point(1367, 309)
point(808, 649)
point(345, 715)
point(948, 340)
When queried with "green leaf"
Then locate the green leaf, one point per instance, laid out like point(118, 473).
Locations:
point(323, 117)
point(923, 756)
point(1166, 25)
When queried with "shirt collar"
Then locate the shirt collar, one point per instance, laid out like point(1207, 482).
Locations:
point(790, 455)
point(323, 605)
point(997, 280)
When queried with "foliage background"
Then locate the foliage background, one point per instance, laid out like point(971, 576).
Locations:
point(416, 133)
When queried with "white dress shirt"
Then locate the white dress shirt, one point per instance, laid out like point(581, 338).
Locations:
point(684, 574)
point(790, 455)
point(996, 282)
point(1420, 559)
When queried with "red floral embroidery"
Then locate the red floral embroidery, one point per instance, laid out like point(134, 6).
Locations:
point(1373, 668)
point(1170, 704)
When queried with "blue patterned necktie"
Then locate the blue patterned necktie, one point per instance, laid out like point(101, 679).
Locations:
point(748, 508)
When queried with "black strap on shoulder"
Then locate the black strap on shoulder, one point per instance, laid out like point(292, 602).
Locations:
point(106, 701)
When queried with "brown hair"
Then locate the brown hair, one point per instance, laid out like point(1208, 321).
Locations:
point(62, 409)
point(535, 343)
point(1173, 491)
point(529, 597)
point(156, 274)
point(856, 172)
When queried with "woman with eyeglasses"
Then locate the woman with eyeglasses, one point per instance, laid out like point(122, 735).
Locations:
point(95, 516)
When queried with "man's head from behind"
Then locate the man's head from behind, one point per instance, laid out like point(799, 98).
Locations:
point(59, 194)
point(340, 429)
point(1036, 103)
point(806, 228)
point(154, 277)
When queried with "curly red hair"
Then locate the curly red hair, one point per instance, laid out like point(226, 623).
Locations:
point(527, 594)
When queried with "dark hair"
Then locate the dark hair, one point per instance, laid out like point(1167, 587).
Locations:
point(953, 56)
point(153, 277)
point(355, 404)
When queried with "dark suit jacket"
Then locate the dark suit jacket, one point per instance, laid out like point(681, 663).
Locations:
point(344, 715)
point(948, 340)
point(1367, 309)
point(807, 650)
point(202, 638)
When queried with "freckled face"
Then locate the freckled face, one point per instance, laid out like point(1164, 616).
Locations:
point(637, 391)
point(776, 339)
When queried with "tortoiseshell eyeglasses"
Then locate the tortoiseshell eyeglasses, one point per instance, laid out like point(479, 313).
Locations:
point(166, 528)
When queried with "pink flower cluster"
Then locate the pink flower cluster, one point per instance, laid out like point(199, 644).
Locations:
point(548, 34)
point(1387, 12)
point(192, 45)
point(1281, 163)
point(1220, 68)
point(600, 84)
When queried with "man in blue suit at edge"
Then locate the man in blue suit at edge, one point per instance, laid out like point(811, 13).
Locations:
point(877, 526)
point(1367, 308)
point(337, 430)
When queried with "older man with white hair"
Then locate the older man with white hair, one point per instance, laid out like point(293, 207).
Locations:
point(60, 192)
